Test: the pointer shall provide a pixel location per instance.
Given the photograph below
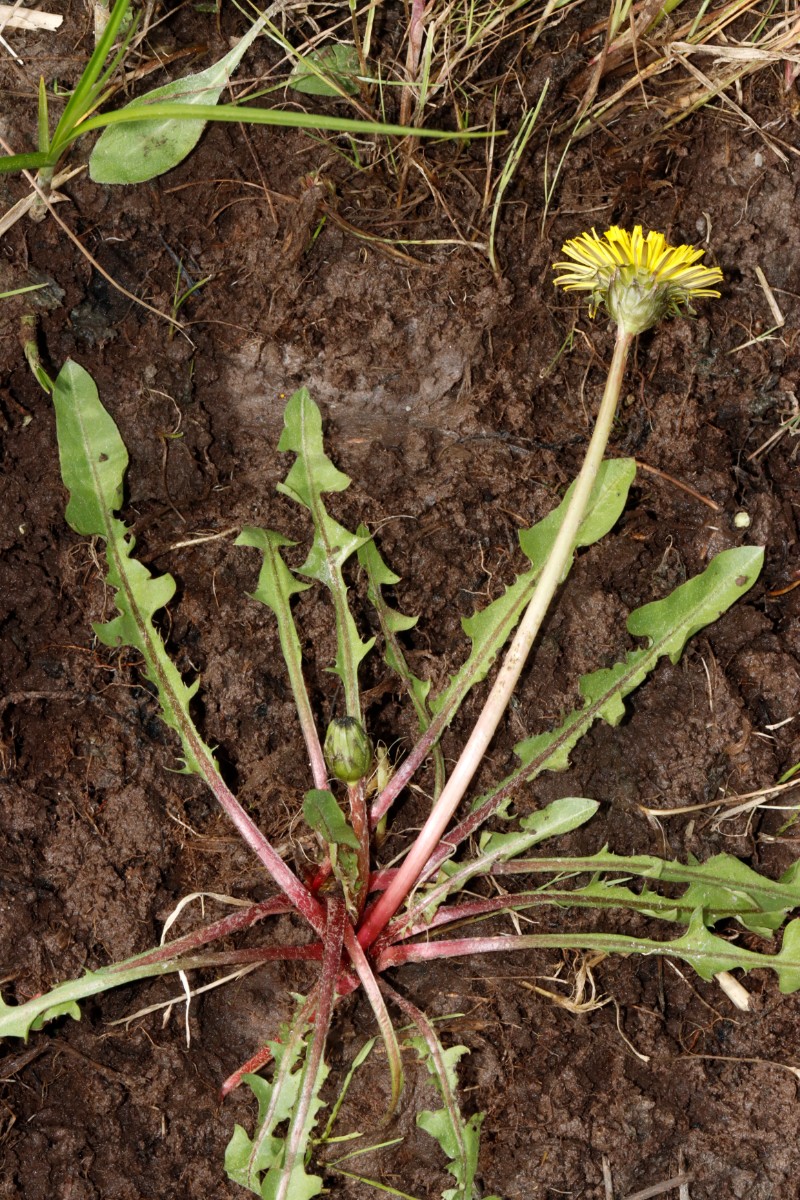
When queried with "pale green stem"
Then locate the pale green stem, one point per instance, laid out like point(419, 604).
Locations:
point(498, 699)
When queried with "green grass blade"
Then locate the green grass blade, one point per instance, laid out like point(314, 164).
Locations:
point(23, 162)
point(43, 137)
point(518, 145)
point(241, 113)
point(312, 475)
point(84, 94)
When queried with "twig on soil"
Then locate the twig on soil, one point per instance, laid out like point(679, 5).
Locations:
point(685, 487)
point(198, 541)
point(18, 210)
point(736, 992)
point(777, 315)
point(752, 800)
point(608, 1181)
point(658, 1189)
point(767, 1062)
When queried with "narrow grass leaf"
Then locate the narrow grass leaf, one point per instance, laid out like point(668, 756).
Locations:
point(87, 92)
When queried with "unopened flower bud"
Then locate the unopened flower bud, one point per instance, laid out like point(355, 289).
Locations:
point(348, 750)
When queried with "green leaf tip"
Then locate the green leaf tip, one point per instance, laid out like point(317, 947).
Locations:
point(322, 814)
point(328, 71)
point(699, 601)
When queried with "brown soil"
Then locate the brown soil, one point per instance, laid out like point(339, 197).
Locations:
point(447, 400)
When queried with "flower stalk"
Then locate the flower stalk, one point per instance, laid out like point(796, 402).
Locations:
point(472, 755)
point(640, 280)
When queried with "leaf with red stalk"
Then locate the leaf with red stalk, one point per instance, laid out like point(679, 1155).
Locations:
point(558, 818)
point(246, 1159)
point(703, 950)
point(477, 744)
point(274, 1165)
point(372, 988)
point(93, 464)
point(667, 624)
point(293, 1183)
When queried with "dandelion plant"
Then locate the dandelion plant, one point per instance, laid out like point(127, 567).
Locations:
point(368, 918)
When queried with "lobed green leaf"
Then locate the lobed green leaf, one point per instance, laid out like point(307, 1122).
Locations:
point(667, 624)
point(255, 1163)
point(312, 475)
point(722, 887)
point(93, 462)
point(457, 1137)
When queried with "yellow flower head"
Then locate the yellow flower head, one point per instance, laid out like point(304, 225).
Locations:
point(639, 279)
